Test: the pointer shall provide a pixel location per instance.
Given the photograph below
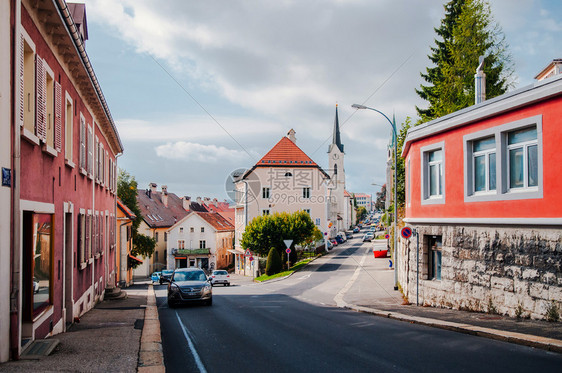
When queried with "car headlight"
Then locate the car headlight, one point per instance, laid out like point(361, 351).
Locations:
point(207, 288)
point(174, 287)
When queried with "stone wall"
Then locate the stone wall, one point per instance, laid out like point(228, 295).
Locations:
point(506, 270)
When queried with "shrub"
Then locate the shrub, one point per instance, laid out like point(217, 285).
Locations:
point(552, 313)
point(274, 264)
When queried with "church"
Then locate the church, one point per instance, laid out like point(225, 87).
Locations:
point(286, 179)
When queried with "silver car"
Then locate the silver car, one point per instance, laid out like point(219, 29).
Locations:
point(189, 285)
point(220, 276)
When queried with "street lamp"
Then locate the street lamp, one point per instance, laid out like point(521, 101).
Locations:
point(393, 125)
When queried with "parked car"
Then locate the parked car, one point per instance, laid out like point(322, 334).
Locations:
point(188, 285)
point(342, 235)
point(349, 235)
point(339, 239)
point(220, 276)
point(356, 230)
point(330, 245)
point(334, 242)
point(165, 276)
point(368, 236)
point(155, 277)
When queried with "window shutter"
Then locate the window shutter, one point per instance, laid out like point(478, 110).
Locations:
point(58, 116)
point(41, 98)
point(82, 143)
point(22, 89)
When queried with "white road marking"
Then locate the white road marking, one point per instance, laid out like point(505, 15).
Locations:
point(303, 277)
point(192, 347)
point(339, 296)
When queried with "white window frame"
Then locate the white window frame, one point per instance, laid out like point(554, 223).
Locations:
point(68, 129)
point(503, 192)
point(306, 192)
point(426, 199)
point(265, 192)
point(265, 212)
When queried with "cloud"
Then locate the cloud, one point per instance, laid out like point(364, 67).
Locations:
point(189, 152)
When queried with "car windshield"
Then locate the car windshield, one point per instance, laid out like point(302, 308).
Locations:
point(167, 272)
point(190, 276)
point(221, 273)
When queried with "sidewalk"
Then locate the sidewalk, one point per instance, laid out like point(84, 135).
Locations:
point(371, 290)
point(107, 339)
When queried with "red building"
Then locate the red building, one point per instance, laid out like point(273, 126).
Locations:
point(64, 146)
point(483, 192)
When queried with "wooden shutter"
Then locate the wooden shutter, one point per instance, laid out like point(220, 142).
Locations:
point(58, 116)
point(22, 81)
point(41, 99)
point(82, 143)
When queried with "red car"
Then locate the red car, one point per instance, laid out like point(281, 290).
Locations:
point(334, 242)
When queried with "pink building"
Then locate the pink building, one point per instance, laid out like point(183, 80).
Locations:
point(63, 174)
point(483, 192)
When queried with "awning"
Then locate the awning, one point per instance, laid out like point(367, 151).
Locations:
point(135, 258)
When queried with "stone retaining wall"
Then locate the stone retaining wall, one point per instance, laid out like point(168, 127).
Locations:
point(506, 270)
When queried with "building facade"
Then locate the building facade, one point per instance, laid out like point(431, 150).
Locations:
point(483, 192)
point(201, 240)
point(64, 146)
point(124, 244)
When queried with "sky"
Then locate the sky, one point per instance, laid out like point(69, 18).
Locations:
point(198, 89)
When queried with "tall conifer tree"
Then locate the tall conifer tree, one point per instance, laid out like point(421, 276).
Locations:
point(466, 32)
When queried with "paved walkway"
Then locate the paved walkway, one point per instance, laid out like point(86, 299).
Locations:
point(371, 290)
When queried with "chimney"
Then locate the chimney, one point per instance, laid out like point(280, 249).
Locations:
point(152, 187)
point(216, 202)
point(480, 82)
point(165, 195)
point(291, 136)
point(198, 200)
point(186, 202)
point(207, 200)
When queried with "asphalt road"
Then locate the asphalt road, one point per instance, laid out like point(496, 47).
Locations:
point(293, 325)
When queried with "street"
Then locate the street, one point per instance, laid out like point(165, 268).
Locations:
point(294, 325)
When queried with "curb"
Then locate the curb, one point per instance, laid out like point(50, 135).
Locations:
point(151, 357)
point(549, 344)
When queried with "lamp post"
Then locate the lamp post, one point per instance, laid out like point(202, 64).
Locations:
point(393, 125)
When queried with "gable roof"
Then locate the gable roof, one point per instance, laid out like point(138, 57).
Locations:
point(156, 214)
point(286, 154)
point(127, 211)
point(214, 219)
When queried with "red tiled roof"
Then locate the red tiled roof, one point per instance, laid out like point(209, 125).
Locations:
point(346, 193)
point(286, 153)
point(216, 220)
point(127, 211)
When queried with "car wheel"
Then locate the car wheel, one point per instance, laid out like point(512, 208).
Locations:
point(160, 282)
point(171, 304)
point(228, 284)
point(209, 302)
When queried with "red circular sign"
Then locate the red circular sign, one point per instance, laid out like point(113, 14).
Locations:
point(288, 251)
point(387, 236)
point(406, 232)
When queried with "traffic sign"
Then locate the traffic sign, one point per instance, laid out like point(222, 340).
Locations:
point(247, 253)
point(387, 236)
point(406, 232)
point(251, 258)
point(288, 251)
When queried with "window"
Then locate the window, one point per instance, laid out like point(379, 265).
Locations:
point(82, 239)
point(181, 229)
point(504, 162)
point(433, 176)
point(181, 244)
point(434, 252)
point(265, 212)
point(37, 241)
point(484, 164)
point(90, 149)
point(27, 82)
point(191, 229)
point(68, 130)
point(307, 211)
point(156, 256)
point(265, 192)
point(202, 244)
point(165, 236)
point(306, 192)
point(522, 151)
point(156, 236)
point(202, 229)
point(317, 221)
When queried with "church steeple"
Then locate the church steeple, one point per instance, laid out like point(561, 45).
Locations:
point(336, 140)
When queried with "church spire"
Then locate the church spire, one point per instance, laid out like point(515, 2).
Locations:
point(336, 140)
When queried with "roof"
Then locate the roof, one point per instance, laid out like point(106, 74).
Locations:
point(336, 139)
point(156, 215)
point(127, 211)
point(217, 221)
point(346, 193)
point(531, 94)
point(285, 153)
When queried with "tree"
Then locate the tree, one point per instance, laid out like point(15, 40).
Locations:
point(361, 213)
point(400, 164)
point(467, 31)
point(274, 264)
point(267, 231)
point(127, 192)
point(380, 203)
